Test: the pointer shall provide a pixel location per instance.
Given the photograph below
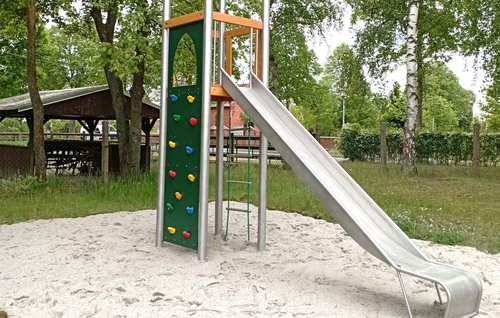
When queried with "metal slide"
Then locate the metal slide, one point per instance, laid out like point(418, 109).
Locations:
point(350, 205)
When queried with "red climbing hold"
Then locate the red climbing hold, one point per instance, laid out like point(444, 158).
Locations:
point(186, 234)
point(172, 173)
point(193, 121)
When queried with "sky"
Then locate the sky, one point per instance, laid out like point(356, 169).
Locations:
point(462, 67)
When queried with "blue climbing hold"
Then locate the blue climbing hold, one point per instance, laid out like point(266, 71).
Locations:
point(173, 98)
point(189, 150)
point(190, 210)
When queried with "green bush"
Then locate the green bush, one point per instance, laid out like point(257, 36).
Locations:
point(432, 147)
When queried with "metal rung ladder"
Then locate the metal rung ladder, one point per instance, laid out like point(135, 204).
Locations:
point(248, 183)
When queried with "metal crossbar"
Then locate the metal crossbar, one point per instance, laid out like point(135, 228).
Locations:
point(238, 210)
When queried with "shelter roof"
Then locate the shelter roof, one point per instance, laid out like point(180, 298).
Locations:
point(73, 103)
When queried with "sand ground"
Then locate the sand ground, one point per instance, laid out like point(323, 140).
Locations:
point(107, 266)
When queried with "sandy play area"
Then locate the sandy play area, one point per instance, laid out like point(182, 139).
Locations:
point(107, 266)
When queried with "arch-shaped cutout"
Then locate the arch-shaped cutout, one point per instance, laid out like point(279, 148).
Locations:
point(184, 66)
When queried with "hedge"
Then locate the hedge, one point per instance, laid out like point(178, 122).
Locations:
point(435, 148)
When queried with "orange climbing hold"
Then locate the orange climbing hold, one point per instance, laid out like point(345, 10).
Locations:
point(171, 230)
point(178, 195)
point(191, 177)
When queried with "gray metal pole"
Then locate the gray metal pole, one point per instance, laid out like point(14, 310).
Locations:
point(163, 128)
point(261, 231)
point(205, 131)
point(219, 167)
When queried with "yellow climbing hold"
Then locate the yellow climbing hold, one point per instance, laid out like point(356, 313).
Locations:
point(191, 177)
point(171, 230)
point(178, 195)
point(190, 99)
point(171, 144)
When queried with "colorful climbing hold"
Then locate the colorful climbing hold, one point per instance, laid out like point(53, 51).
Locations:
point(170, 207)
point(190, 99)
point(171, 144)
point(172, 173)
point(190, 210)
point(193, 121)
point(171, 230)
point(177, 118)
point(178, 195)
point(191, 177)
point(173, 98)
point(189, 150)
point(186, 234)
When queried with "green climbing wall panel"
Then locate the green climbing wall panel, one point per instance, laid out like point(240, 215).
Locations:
point(183, 136)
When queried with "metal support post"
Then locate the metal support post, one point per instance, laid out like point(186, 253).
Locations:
point(404, 293)
point(439, 294)
point(163, 128)
point(261, 231)
point(205, 131)
point(219, 166)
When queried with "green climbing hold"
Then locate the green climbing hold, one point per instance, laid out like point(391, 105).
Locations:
point(177, 118)
point(170, 207)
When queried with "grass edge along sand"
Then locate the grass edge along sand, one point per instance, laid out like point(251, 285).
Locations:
point(443, 204)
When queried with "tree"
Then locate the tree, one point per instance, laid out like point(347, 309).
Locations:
point(480, 20)
point(293, 65)
point(292, 85)
point(76, 59)
point(344, 74)
point(36, 101)
point(127, 32)
point(492, 110)
point(12, 49)
point(409, 166)
point(383, 39)
point(319, 114)
point(447, 105)
point(394, 113)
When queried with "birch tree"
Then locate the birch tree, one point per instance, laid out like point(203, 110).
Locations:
point(409, 166)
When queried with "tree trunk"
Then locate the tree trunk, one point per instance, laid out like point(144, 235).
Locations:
point(36, 101)
point(318, 131)
point(128, 115)
point(409, 150)
point(420, 79)
point(476, 146)
point(383, 144)
point(136, 96)
point(120, 109)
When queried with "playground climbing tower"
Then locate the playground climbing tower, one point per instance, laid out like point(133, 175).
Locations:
point(182, 215)
point(192, 80)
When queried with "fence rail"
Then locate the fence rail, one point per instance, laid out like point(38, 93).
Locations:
point(70, 153)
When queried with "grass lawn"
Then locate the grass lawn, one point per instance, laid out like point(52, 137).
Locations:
point(443, 204)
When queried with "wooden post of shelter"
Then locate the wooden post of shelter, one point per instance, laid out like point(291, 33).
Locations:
point(105, 152)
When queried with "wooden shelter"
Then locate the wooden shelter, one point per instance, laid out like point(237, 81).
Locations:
point(87, 105)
